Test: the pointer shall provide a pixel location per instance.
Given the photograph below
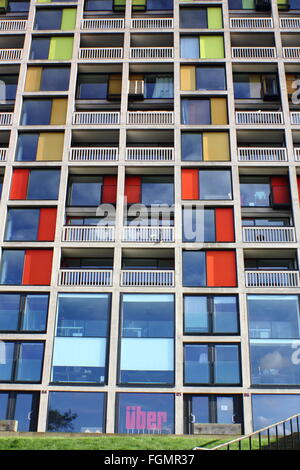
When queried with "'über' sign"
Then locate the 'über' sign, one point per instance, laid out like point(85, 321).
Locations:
point(144, 420)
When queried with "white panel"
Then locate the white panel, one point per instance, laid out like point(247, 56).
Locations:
point(79, 352)
point(147, 354)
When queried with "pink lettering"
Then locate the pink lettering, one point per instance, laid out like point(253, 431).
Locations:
point(151, 420)
point(130, 417)
point(140, 418)
point(135, 418)
point(161, 418)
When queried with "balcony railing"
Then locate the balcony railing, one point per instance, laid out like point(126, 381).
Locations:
point(85, 277)
point(259, 117)
point(147, 278)
point(150, 117)
point(96, 53)
point(149, 154)
point(85, 233)
point(6, 119)
point(291, 52)
point(262, 154)
point(251, 23)
point(148, 234)
point(297, 154)
point(289, 23)
point(102, 23)
point(13, 25)
point(10, 54)
point(253, 52)
point(295, 117)
point(96, 118)
point(152, 23)
point(272, 278)
point(151, 52)
point(269, 235)
point(3, 154)
point(94, 154)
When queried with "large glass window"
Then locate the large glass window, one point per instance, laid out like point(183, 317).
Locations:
point(145, 413)
point(159, 5)
point(211, 364)
point(22, 407)
point(255, 191)
point(158, 86)
point(36, 112)
point(43, 184)
point(55, 79)
point(21, 362)
point(210, 78)
point(92, 86)
point(39, 48)
point(85, 190)
point(255, 86)
point(193, 18)
point(80, 347)
point(23, 312)
point(27, 147)
point(269, 409)
point(22, 224)
point(12, 267)
point(194, 268)
point(189, 47)
point(8, 87)
point(157, 190)
point(195, 111)
point(76, 412)
point(198, 224)
point(210, 314)
point(48, 19)
point(98, 5)
point(191, 146)
point(215, 184)
point(147, 345)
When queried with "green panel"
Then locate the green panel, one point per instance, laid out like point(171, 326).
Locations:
point(119, 5)
point(68, 19)
point(211, 47)
point(283, 4)
point(214, 18)
point(3, 5)
point(248, 4)
point(61, 48)
point(138, 5)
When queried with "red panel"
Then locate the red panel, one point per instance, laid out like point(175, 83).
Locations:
point(19, 184)
point(224, 225)
point(133, 189)
point(37, 267)
point(280, 190)
point(109, 192)
point(190, 183)
point(220, 269)
point(47, 224)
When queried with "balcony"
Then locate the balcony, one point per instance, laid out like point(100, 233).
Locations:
point(262, 154)
point(289, 23)
point(295, 117)
point(98, 53)
point(152, 23)
point(3, 154)
point(96, 118)
point(102, 23)
point(269, 235)
point(13, 25)
point(297, 154)
point(291, 53)
point(150, 117)
point(6, 119)
point(151, 53)
point(149, 154)
point(145, 234)
point(258, 278)
point(10, 54)
point(251, 23)
point(259, 117)
point(85, 277)
point(94, 154)
point(253, 52)
point(86, 233)
point(147, 278)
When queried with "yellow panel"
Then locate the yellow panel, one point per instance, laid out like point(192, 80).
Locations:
point(290, 78)
point(136, 76)
point(188, 77)
point(216, 146)
point(59, 111)
point(33, 79)
point(50, 146)
point(115, 85)
point(218, 111)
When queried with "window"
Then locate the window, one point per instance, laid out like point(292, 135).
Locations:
point(12, 267)
point(215, 184)
point(87, 263)
point(265, 191)
point(85, 190)
point(52, 48)
point(23, 312)
point(55, 79)
point(266, 222)
point(270, 263)
point(270, 408)
point(92, 86)
point(194, 269)
point(18, 6)
point(81, 338)
point(158, 86)
point(210, 314)
point(214, 268)
point(149, 190)
point(98, 5)
point(147, 344)
point(241, 4)
point(210, 78)
point(22, 407)
point(26, 267)
point(255, 86)
point(198, 224)
point(211, 364)
point(76, 412)
point(204, 111)
point(44, 112)
point(43, 184)
point(201, 18)
point(145, 413)
point(53, 18)
point(159, 5)
point(8, 87)
point(205, 146)
point(222, 409)
point(21, 362)
point(203, 47)
point(39, 146)
point(30, 224)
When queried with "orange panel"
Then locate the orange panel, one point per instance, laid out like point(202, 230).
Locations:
point(109, 192)
point(37, 267)
point(280, 190)
point(224, 225)
point(47, 224)
point(133, 189)
point(220, 269)
point(190, 183)
point(19, 184)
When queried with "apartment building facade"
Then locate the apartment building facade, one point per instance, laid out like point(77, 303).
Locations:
point(150, 235)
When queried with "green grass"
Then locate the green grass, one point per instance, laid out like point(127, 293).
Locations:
point(108, 443)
